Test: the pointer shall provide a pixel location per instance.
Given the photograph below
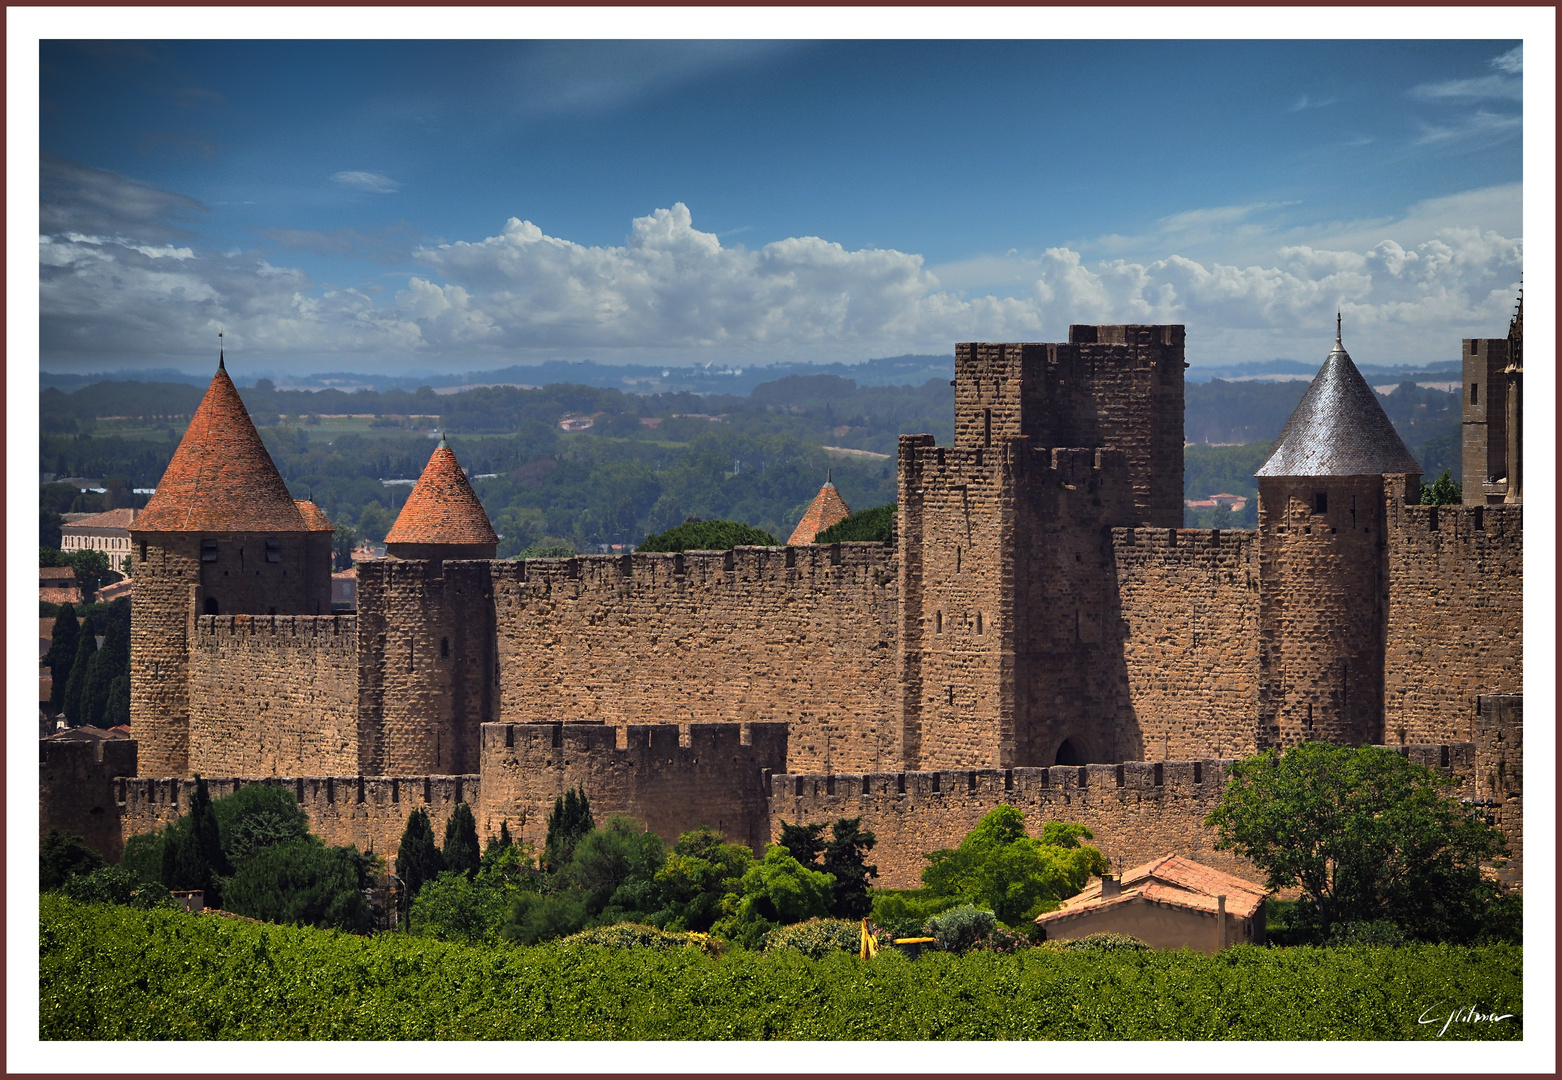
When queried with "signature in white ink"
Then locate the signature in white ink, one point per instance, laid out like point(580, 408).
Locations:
point(1464, 1014)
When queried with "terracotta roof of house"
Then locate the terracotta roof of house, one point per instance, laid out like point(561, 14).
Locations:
point(109, 593)
point(828, 508)
point(1173, 880)
point(1338, 429)
point(442, 508)
point(88, 733)
point(51, 595)
point(314, 517)
point(53, 575)
point(221, 478)
point(108, 519)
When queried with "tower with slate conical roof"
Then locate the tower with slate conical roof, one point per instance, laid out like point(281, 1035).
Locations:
point(221, 536)
point(1322, 570)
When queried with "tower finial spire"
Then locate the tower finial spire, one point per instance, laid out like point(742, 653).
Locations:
point(1337, 340)
point(829, 476)
point(220, 365)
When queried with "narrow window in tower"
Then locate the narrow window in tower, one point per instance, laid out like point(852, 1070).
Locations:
point(273, 550)
point(208, 551)
point(1320, 502)
point(978, 622)
point(143, 551)
point(444, 648)
point(938, 622)
point(957, 560)
point(987, 427)
point(951, 695)
point(1475, 393)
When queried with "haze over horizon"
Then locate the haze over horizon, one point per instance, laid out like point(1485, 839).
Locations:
point(401, 206)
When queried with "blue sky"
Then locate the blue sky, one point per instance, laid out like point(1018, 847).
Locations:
point(469, 204)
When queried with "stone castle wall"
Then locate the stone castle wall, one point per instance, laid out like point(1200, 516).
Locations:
point(428, 665)
point(369, 812)
point(75, 790)
point(1188, 601)
point(274, 695)
point(804, 635)
point(1137, 811)
point(669, 777)
point(1455, 615)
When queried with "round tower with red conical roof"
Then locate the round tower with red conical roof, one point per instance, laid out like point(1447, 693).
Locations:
point(220, 536)
point(442, 518)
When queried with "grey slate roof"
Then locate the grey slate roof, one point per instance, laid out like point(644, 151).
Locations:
point(1338, 429)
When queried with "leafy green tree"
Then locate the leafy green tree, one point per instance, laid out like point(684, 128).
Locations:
point(1017, 877)
point(569, 820)
point(538, 917)
point(343, 539)
point(774, 891)
point(875, 524)
point(91, 567)
point(303, 883)
point(62, 856)
point(76, 682)
point(1445, 491)
point(461, 850)
point(844, 860)
point(614, 869)
point(1365, 834)
point(62, 653)
point(257, 816)
point(472, 911)
point(698, 873)
point(707, 536)
point(803, 842)
point(417, 859)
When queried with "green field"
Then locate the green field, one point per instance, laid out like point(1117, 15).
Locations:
point(118, 973)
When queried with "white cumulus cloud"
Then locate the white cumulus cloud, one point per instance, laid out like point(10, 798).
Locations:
point(1409, 290)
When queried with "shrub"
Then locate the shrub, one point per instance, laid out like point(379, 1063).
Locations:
point(62, 856)
point(1002, 941)
point(816, 938)
point(115, 885)
point(304, 883)
point(1101, 943)
point(1369, 932)
point(959, 929)
point(257, 816)
point(905, 912)
point(454, 907)
point(640, 936)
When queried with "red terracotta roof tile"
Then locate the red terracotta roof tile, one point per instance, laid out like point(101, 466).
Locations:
point(221, 478)
point(109, 519)
point(1173, 880)
point(442, 508)
point(828, 508)
point(314, 517)
point(54, 575)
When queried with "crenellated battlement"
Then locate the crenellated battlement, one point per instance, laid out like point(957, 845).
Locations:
point(1190, 777)
point(1468, 524)
point(339, 631)
point(670, 777)
point(804, 567)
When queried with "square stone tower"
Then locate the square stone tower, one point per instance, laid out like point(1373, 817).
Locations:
point(1010, 635)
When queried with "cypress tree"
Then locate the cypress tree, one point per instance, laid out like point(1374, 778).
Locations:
point(116, 710)
point(570, 820)
point(461, 850)
point(109, 663)
point(62, 654)
point(803, 843)
point(417, 859)
point(86, 646)
point(200, 859)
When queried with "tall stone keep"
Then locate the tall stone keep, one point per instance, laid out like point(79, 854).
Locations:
point(221, 536)
point(1322, 568)
point(430, 682)
point(1009, 646)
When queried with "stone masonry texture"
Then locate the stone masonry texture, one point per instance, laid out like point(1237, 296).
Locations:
point(1042, 633)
